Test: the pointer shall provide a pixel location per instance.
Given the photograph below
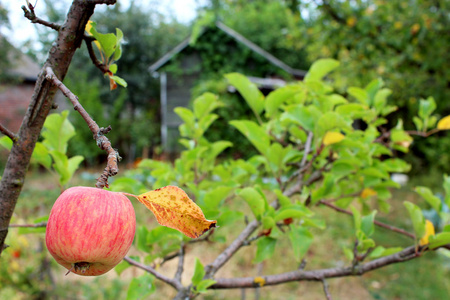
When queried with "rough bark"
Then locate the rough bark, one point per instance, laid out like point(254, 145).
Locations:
point(70, 36)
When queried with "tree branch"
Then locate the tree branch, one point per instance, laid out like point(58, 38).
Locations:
point(378, 223)
point(318, 275)
point(99, 133)
point(325, 289)
point(8, 133)
point(30, 15)
point(102, 67)
point(180, 267)
point(37, 225)
point(172, 282)
point(242, 239)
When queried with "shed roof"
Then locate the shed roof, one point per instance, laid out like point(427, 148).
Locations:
point(238, 37)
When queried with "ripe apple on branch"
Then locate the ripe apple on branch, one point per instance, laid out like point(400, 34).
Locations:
point(90, 230)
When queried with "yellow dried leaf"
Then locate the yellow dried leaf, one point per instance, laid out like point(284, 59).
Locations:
point(429, 230)
point(444, 123)
point(332, 138)
point(260, 281)
point(367, 192)
point(173, 208)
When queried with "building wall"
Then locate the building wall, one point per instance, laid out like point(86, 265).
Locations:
point(14, 101)
point(178, 93)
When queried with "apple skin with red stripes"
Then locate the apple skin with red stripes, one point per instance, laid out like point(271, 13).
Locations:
point(90, 230)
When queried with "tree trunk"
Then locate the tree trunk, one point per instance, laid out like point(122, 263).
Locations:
point(69, 39)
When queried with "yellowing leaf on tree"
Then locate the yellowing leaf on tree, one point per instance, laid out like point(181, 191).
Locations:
point(88, 30)
point(173, 208)
point(444, 123)
point(351, 21)
point(332, 138)
point(259, 281)
point(367, 192)
point(429, 230)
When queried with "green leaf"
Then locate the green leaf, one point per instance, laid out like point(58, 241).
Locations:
point(426, 107)
point(439, 240)
point(268, 222)
point(119, 80)
point(301, 239)
point(57, 132)
point(265, 249)
point(360, 94)
point(141, 239)
point(248, 90)
point(254, 200)
point(380, 251)
point(113, 68)
point(205, 104)
point(213, 197)
point(293, 211)
point(306, 117)
point(199, 272)
point(417, 218)
point(356, 218)
point(426, 193)
point(396, 165)
point(122, 266)
point(41, 156)
point(321, 68)
point(141, 287)
point(367, 225)
point(72, 166)
point(203, 285)
point(6, 142)
point(279, 96)
point(254, 133)
point(419, 123)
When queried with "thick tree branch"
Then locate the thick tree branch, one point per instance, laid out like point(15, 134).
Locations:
point(378, 223)
point(8, 133)
point(318, 275)
point(99, 133)
point(172, 282)
point(30, 15)
point(60, 55)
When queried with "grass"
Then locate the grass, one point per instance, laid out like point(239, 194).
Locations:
point(27, 277)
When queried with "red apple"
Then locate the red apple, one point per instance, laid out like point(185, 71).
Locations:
point(90, 230)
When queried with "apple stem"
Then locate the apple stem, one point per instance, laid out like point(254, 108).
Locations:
point(70, 270)
point(131, 195)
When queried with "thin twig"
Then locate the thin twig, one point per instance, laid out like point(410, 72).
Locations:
point(99, 133)
point(175, 284)
point(41, 224)
point(30, 15)
point(8, 133)
point(307, 149)
point(325, 289)
point(180, 267)
point(378, 223)
point(102, 67)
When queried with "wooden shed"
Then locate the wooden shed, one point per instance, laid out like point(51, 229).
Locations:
point(223, 42)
